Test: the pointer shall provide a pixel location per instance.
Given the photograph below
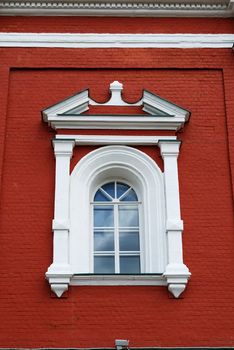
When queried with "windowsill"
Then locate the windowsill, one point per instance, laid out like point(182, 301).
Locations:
point(118, 280)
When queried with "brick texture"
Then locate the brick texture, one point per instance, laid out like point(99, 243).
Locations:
point(199, 80)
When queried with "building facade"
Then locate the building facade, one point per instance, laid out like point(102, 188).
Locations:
point(116, 163)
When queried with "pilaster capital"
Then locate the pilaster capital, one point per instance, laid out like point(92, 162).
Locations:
point(169, 148)
point(63, 148)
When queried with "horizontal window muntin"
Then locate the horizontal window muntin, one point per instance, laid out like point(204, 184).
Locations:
point(112, 252)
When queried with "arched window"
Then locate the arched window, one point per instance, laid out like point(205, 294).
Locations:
point(119, 216)
point(116, 236)
point(98, 230)
point(90, 184)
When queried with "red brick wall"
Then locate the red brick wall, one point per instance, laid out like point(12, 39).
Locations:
point(199, 80)
point(116, 25)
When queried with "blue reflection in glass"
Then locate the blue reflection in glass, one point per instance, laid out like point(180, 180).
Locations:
point(110, 189)
point(130, 196)
point(100, 197)
point(129, 264)
point(103, 216)
point(103, 240)
point(128, 216)
point(121, 189)
point(129, 241)
point(104, 264)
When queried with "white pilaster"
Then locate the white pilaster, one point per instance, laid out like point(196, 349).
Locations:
point(176, 272)
point(59, 273)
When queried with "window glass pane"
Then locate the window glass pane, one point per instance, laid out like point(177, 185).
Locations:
point(129, 264)
point(130, 196)
point(128, 216)
point(121, 189)
point(129, 241)
point(100, 197)
point(110, 189)
point(103, 241)
point(104, 264)
point(103, 216)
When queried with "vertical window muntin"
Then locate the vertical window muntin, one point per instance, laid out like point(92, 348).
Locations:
point(121, 252)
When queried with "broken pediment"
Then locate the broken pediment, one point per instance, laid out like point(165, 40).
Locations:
point(161, 114)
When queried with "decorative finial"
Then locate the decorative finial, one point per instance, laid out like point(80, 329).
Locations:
point(116, 97)
point(116, 90)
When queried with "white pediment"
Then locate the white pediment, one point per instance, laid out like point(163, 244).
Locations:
point(161, 114)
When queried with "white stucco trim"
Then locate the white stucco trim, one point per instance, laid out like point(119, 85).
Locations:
point(176, 272)
point(162, 114)
point(60, 271)
point(183, 8)
point(103, 140)
point(160, 214)
point(126, 164)
point(90, 40)
point(123, 122)
point(118, 280)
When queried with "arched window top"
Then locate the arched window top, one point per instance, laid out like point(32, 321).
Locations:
point(115, 191)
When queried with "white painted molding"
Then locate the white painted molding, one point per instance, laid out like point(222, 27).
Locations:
point(72, 227)
point(60, 272)
point(163, 115)
point(104, 140)
point(77, 103)
point(126, 164)
point(123, 122)
point(59, 289)
point(118, 280)
point(89, 40)
point(176, 272)
point(154, 104)
point(161, 8)
point(176, 289)
point(158, 192)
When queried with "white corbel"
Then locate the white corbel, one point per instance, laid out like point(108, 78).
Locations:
point(59, 273)
point(176, 273)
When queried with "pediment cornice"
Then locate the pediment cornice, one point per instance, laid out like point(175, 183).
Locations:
point(161, 114)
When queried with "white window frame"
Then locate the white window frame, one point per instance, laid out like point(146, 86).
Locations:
point(115, 203)
point(162, 223)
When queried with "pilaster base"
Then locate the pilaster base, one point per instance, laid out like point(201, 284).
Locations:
point(59, 277)
point(177, 276)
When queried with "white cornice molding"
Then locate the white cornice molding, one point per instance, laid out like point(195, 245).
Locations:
point(123, 122)
point(162, 8)
point(103, 140)
point(90, 40)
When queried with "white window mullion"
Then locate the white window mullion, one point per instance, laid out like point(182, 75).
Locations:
point(116, 223)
